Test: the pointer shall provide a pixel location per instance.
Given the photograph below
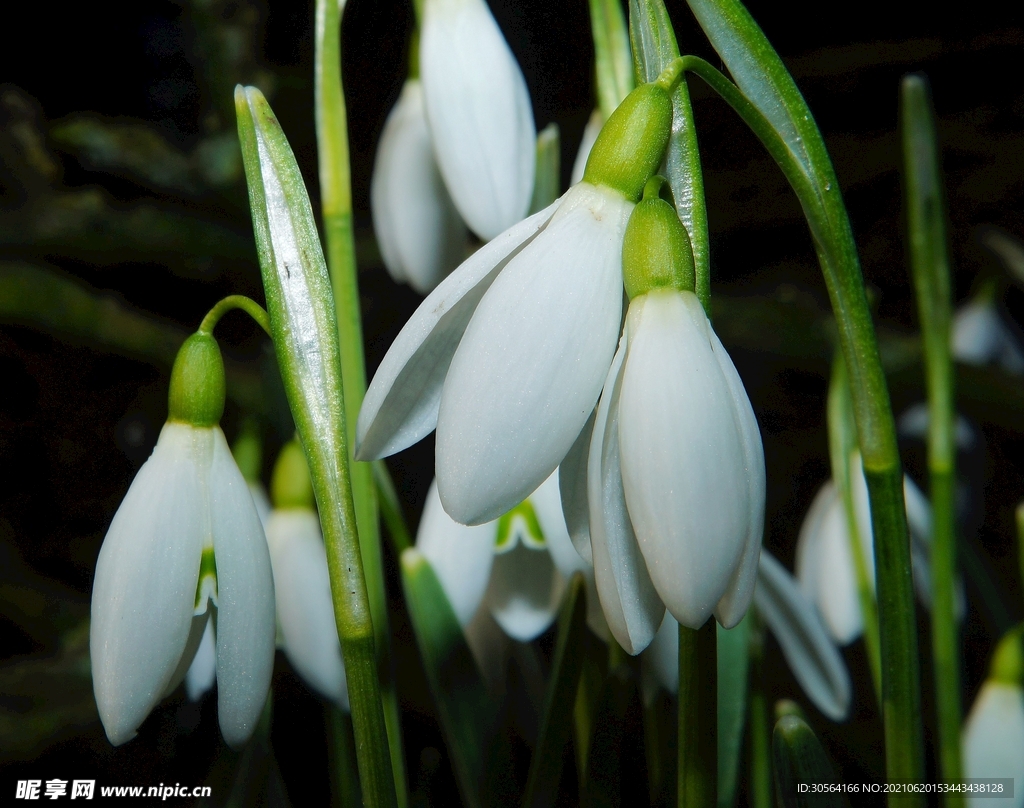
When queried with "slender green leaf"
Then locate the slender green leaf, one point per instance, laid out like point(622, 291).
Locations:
point(800, 760)
point(391, 508)
point(464, 706)
point(547, 180)
point(697, 772)
point(733, 667)
point(612, 59)
point(760, 727)
point(302, 319)
point(929, 263)
point(557, 720)
point(654, 47)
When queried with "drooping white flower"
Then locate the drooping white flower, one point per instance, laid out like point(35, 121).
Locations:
point(824, 554)
point(814, 659)
point(506, 357)
point(515, 567)
point(980, 337)
point(590, 133)
point(202, 673)
point(993, 734)
point(420, 233)
point(480, 115)
point(186, 546)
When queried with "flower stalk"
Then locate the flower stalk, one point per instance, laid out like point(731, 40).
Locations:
point(929, 263)
point(336, 202)
point(698, 716)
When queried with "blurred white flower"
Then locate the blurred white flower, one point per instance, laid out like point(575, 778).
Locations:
point(812, 656)
point(185, 543)
point(675, 475)
point(980, 337)
point(202, 673)
point(421, 235)
point(480, 114)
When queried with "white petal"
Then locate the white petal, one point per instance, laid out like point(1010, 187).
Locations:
point(684, 471)
point(489, 646)
point(400, 407)
point(260, 500)
point(547, 504)
point(245, 599)
point(812, 657)
point(529, 369)
point(480, 114)
point(202, 673)
point(662, 655)
point(734, 603)
point(980, 337)
point(628, 597)
point(421, 235)
point(145, 587)
point(524, 591)
point(993, 739)
point(913, 423)
point(590, 133)
point(460, 556)
point(305, 610)
point(572, 485)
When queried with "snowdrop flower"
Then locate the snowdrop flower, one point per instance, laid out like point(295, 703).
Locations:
point(980, 337)
point(305, 612)
point(480, 114)
point(812, 656)
point(515, 567)
point(202, 673)
point(824, 555)
point(507, 356)
point(185, 546)
point(421, 235)
point(993, 735)
point(675, 469)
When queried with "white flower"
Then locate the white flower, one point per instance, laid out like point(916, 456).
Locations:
point(993, 738)
point(480, 115)
point(813, 658)
point(824, 556)
point(305, 612)
point(675, 476)
point(980, 337)
point(515, 567)
point(507, 356)
point(421, 235)
point(590, 133)
point(202, 673)
point(185, 539)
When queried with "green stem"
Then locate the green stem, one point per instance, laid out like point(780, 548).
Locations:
point(222, 307)
point(842, 440)
point(336, 200)
point(929, 262)
point(698, 717)
point(343, 752)
point(760, 724)
point(832, 235)
point(391, 508)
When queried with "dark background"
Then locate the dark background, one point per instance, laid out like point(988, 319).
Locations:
point(77, 420)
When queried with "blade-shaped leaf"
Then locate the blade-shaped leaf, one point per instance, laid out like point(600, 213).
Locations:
point(613, 63)
point(547, 178)
point(733, 664)
point(800, 760)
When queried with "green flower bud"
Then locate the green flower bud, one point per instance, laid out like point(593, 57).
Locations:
point(248, 451)
point(1008, 660)
point(197, 383)
point(291, 487)
point(656, 251)
point(631, 144)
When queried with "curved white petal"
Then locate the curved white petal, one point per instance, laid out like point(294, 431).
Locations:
point(480, 114)
point(245, 599)
point(913, 423)
point(305, 610)
point(421, 235)
point(734, 603)
point(811, 655)
point(202, 673)
point(530, 366)
point(662, 655)
point(630, 602)
point(808, 543)
point(980, 337)
point(547, 504)
point(590, 133)
point(145, 587)
point(400, 407)
point(684, 471)
point(993, 739)
point(572, 486)
point(460, 556)
point(261, 501)
point(524, 591)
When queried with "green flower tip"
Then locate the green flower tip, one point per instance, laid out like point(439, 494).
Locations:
point(1008, 660)
point(656, 251)
point(291, 486)
point(631, 144)
point(197, 383)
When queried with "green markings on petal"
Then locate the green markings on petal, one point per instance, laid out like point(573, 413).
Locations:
point(1008, 660)
point(519, 525)
point(206, 588)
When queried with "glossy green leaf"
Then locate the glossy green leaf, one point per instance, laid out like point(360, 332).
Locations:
point(465, 708)
point(800, 760)
point(612, 60)
point(557, 720)
point(547, 178)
